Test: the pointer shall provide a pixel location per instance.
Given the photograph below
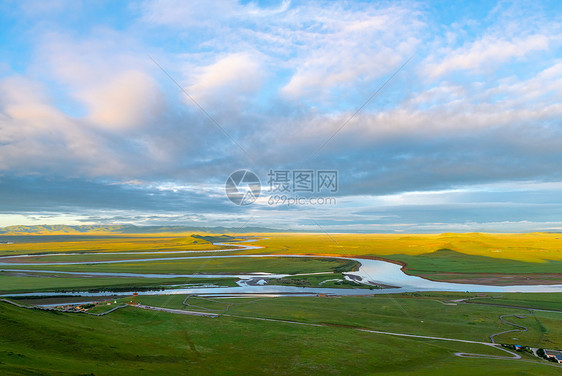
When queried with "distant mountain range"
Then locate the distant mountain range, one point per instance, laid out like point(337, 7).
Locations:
point(123, 229)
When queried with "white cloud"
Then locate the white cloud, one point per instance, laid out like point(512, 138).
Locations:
point(183, 14)
point(37, 137)
point(487, 52)
point(231, 76)
point(348, 47)
point(320, 46)
point(187, 14)
point(128, 100)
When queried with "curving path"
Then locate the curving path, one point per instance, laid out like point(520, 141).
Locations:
point(521, 328)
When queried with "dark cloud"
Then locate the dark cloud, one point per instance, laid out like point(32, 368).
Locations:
point(33, 194)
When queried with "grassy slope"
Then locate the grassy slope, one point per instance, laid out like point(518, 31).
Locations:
point(497, 253)
point(532, 247)
point(132, 341)
point(457, 262)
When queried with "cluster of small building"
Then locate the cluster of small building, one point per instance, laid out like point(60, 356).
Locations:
point(72, 308)
point(82, 307)
point(554, 354)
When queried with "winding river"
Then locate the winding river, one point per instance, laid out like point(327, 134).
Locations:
point(371, 272)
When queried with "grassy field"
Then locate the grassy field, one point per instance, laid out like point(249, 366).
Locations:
point(546, 301)
point(133, 341)
point(210, 266)
point(335, 280)
point(60, 282)
point(405, 313)
point(530, 248)
point(106, 256)
point(457, 262)
point(541, 301)
point(27, 244)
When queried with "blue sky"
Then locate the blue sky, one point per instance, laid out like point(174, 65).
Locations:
point(466, 136)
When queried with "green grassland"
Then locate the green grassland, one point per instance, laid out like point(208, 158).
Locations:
point(405, 313)
point(61, 282)
point(285, 265)
point(546, 301)
point(134, 341)
point(543, 300)
point(322, 280)
point(457, 262)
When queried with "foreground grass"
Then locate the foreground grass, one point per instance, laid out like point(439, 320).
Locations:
point(402, 313)
point(132, 341)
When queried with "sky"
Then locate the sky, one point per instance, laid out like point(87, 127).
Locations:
point(436, 116)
